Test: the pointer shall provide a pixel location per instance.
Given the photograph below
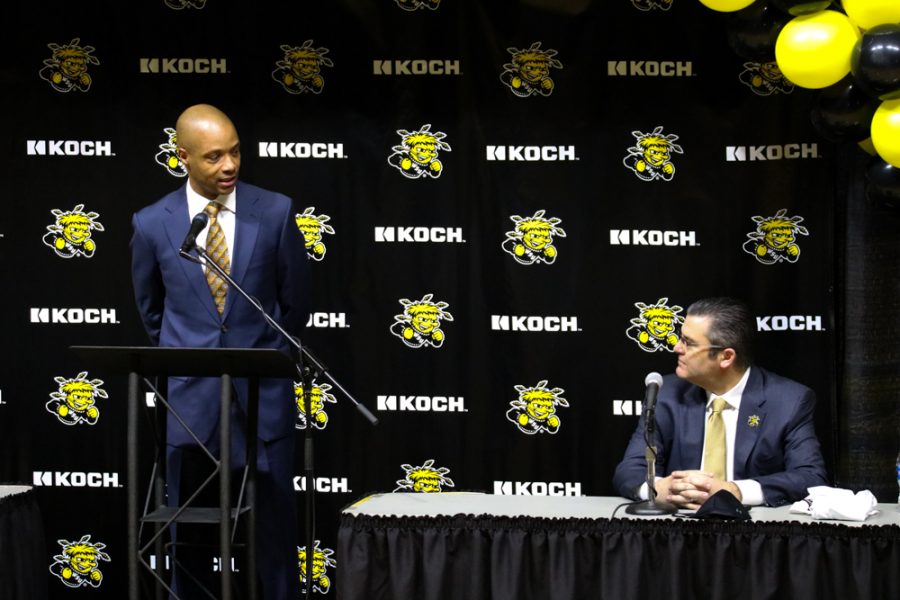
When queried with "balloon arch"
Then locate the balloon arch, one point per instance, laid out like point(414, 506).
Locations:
point(850, 51)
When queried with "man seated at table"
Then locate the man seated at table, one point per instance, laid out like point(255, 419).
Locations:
point(724, 424)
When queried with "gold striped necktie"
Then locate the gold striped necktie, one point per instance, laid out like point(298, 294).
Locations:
point(714, 454)
point(217, 249)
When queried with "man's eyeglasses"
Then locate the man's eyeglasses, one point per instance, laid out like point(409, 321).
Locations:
point(692, 346)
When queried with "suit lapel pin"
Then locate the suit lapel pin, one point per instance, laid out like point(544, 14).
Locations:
point(753, 420)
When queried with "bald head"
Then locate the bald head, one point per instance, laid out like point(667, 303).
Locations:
point(209, 148)
point(198, 119)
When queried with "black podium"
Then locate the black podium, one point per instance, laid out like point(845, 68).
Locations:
point(225, 363)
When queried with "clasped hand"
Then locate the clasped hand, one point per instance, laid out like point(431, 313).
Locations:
point(690, 489)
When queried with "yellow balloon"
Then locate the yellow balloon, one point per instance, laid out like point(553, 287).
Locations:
point(726, 5)
point(886, 132)
point(813, 51)
point(869, 13)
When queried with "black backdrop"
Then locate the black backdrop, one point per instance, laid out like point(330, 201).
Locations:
point(565, 328)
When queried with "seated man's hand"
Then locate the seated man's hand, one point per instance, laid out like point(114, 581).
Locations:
point(690, 489)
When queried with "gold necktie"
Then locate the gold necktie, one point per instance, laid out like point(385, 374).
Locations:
point(714, 453)
point(217, 249)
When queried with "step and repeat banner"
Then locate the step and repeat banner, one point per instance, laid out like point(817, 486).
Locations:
point(507, 207)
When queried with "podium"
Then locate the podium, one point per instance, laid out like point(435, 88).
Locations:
point(225, 363)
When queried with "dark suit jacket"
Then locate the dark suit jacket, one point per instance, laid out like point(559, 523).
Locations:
point(781, 452)
point(268, 260)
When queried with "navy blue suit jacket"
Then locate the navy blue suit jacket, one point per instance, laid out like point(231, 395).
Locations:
point(268, 260)
point(780, 451)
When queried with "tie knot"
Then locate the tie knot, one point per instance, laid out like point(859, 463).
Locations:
point(212, 209)
point(719, 404)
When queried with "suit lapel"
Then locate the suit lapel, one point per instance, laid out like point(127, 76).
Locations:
point(245, 233)
point(752, 411)
point(177, 223)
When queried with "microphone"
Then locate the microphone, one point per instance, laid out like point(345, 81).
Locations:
point(200, 220)
point(654, 382)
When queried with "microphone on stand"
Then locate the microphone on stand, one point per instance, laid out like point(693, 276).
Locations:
point(200, 220)
point(653, 383)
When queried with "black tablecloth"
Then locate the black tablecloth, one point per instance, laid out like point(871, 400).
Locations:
point(520, 558)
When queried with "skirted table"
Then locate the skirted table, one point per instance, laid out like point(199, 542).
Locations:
point(480, 546)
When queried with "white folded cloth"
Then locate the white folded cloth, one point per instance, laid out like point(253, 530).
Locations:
point(825, 502)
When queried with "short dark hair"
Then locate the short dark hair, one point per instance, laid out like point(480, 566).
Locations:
point(730, 326)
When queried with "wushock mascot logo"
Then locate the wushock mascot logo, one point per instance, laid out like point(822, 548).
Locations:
point(417, 154)
point(420, 323)
point(417, 4)
point(426, 478)
point(300, 70)
point(775, 238)
point(765, 79)
point(77, 565)
point(318, 398)
point(321, 560)
point(71, 234)
point(532, 239)
point(651, 156)
point(167, 156)
point(657, 327)
point(67, 68)
point(75, 400)
point(534, 411)
point(652, 4)
point(182, 4)
point(529, 72)
point(312, 227)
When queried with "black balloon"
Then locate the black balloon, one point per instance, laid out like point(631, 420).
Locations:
point(801, 7)
point(753, 31)
point(883, 184)
point(875, 61)
point(843, 112)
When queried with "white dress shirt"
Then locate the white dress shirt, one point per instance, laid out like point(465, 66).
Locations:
point(226, 217)
point(750, 489)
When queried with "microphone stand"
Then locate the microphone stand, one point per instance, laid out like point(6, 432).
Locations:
point(651, 507)
point(308, 370)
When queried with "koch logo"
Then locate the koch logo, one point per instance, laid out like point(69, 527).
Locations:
point(184, 66)
point(650, 68)
point(531, 153)
point(436, 235)
point(75, 316)
point(75, 479)
point(774, 152)
point(627, 407)
point(301, 150)
point(651, 237)
point(416, 67)
point(335, 485)
point(789, 323)
point(534, 323)
point(325, 320)
point(422, 403)
point(537, 488)
point(69, 148)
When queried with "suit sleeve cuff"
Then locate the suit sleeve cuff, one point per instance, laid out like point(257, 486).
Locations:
point(751, 491)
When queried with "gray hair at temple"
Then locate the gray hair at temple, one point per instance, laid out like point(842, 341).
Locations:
point(730, 326)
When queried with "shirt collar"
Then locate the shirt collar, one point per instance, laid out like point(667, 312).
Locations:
point(197, 203)
point(732, 396)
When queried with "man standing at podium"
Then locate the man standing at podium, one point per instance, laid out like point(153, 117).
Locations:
point(252, 236)
point(723, 423)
